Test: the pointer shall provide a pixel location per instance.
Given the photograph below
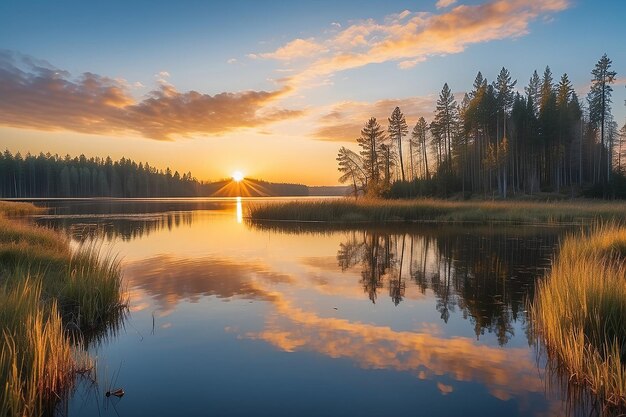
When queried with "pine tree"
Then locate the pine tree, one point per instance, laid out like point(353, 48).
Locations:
point(445, 118)
point(599, 100)
point(547, 88)
point(397, 129)
point(504, 93)
point(533, 89)
point(419, 137)
point(372, 136)
point(350, 166)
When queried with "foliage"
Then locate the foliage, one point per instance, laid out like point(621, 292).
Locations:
point(498, 141)
point(52, 176)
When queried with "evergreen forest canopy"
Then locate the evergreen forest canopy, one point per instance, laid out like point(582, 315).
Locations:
point(49, 176)
point(497, 140)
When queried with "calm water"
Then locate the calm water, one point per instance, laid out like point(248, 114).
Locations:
point(232, 319)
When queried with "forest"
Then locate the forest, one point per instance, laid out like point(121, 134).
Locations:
point(51, 176)
point(497, 141)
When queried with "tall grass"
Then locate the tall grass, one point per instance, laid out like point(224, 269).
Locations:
point(52, 297)
point(87, 285)
point(37, 360)
point(14, 208)
point(378, 211)
point(580, 311)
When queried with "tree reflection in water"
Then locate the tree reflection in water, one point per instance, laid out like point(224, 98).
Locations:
point(485, 273)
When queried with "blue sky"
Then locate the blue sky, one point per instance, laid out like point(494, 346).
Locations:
point(215, 47)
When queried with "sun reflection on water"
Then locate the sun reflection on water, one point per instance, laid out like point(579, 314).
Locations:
point(239, 211)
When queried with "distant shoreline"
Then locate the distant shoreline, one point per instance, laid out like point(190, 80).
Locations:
point(375, 211)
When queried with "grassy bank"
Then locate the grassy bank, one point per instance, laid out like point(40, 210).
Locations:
point(50, 295)
point(580, 312)
point(13, 209)
point(381, 211)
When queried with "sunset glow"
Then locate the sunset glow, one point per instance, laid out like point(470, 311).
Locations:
point(282, 94)
point(237, 176)
point(302, 202)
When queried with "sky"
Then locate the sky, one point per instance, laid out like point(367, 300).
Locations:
point(271, 89)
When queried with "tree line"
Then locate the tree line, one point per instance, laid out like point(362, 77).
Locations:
point(497, 140)
point(50, 176)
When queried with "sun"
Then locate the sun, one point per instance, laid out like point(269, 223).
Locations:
point(237, 176)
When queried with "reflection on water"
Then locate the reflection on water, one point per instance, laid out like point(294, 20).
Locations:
point(282, 319)
point(239, 211)
point(485, 273)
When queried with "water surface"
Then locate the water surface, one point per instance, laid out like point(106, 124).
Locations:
point(229, 318)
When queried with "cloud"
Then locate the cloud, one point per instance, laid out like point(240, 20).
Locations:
point(298, 48)
point(34, 94)
point(441, 4)
point(232, 61)
point(505, 372)
point(410, 37)
point(169, 279)
point(343, 122)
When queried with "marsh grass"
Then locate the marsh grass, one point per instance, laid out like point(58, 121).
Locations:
point(580, 311)
point(37, 361)
point(52, 300)
point(14, 208)
point(347, 210)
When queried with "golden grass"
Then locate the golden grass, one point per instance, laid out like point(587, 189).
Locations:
point(86, 284)
point(347, 210)
point(37, 360)
point(580, 311)
point(46, 289)
point(14, 208)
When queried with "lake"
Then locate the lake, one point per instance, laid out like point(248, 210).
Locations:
point(230, 318)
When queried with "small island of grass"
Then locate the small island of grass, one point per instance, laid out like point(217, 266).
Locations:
point(580, 311)
point(365, 210)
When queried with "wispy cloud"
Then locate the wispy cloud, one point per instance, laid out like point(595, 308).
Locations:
point(344, 121)
point(34, 94)
point(441, 4)
point(410, 37)
point(298, 48)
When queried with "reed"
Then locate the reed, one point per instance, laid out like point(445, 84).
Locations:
point(346, 210)
point(14, 208)
point(38, 361)
point(86, 284)
point(580, 310)
point(52, 297)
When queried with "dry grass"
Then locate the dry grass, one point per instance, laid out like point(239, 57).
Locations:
point(38, 361)
point(14, 209)
point(86, 284)
point(380, 211)
point(46, 289)
point(580, 311)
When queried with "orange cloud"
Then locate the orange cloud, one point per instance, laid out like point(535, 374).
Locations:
point(408, 38)
point(343, 122)
point(169, 279)
point(298, 48)
point(33, 94)
point(505, 372)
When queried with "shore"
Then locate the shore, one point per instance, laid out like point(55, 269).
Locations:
point(579, 312)
point(375, 211)
point(51, 298)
